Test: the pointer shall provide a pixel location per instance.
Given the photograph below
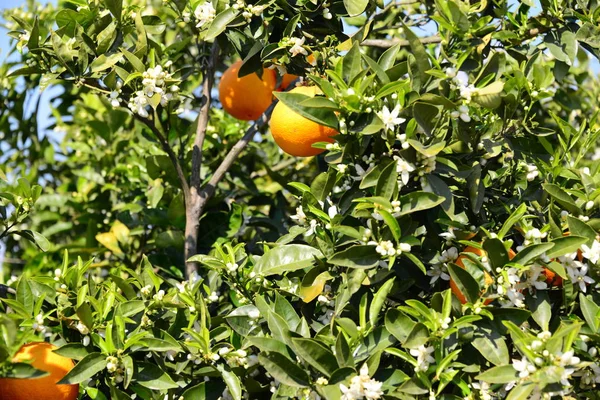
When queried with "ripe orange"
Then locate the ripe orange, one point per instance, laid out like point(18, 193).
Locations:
point(286, 80)
point(289, 78)
point(248, 97)
point(487, 278)
point(45, 388)
point(555, 280)
point(296, 134)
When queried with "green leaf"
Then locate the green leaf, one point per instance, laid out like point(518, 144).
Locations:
point(399, 324)
point(352, 64)
point(316, 354)
point(232, 381)
point(153, 377)
point(418, 201)
point(355, 7)
point(295, 101)
point(35, 237)
point(342, 351)
point(499, 374)
point(136, 63)
point(492, 346)
point(211, 390)
point(465, 282)
point(22, 371)
point(419, 51)
point(283, 369)
point(489, 96)
point(514, 217)
point(360, 256)
point(521, 392)
point(476, 189)
point(428, 151)
point(565, 245)
point(540, 308)
point(85, 369)
point(590, 311)
point(531, 252)
point(286, 258)
point(425, 114)
point(74, 351)
point(497, 253)
point(387, 182)
point(562, 198)
point(379, 300)
point(115, 7)
point(579, 228)
point(104, 62)
point(220, 23)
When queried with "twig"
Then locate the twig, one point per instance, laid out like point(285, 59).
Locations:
point(172, 156)
point(387, 43)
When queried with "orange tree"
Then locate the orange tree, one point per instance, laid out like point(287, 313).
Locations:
point(174, 251)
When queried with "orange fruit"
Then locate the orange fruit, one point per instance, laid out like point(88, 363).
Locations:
point(45, 388)
point(487, 278)
point(289, 78)
point(286, 80)
point(296, 134)
point(552, 279)
point(555, 280)
point(248, 97)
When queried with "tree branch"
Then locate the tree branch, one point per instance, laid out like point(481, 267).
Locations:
point(209, 190)
point(172, 156)
point(193, 206)
point(387, 43)
point(207, 84)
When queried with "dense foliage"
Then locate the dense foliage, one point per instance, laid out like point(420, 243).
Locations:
point(174, 251)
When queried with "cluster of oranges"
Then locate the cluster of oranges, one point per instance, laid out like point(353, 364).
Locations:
point(248, 97)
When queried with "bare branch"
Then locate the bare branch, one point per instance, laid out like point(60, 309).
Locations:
point(172, 156)
point(207, 84)
point(193, 206)
point(386, 43)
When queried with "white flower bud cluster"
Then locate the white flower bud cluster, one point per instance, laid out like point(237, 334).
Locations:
point(532, 172)
point(38, 325)
point(155, 83)
point(386, 248)
point(205, 13)
point(232, 267)
point(428, 164)
point(159, 296)
point(461, 112)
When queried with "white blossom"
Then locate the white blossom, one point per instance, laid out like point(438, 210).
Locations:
point(362, 386)
point(300, 216)
point(438, 271)
point(579, 276)
point(424, 357)
point(390, 118)
point(591, 253)
point(297, 48)
point(524, 367)
point(205, 13)
point(404, 168)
